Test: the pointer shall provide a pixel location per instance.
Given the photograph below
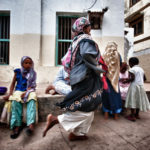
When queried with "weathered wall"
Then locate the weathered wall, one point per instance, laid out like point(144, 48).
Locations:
point(33, 31)
point(141, 46)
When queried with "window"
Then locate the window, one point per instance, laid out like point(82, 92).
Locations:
point(4, 37)
point(137, 24)
point(95, 19)
point(133, 2)
point(64, 37)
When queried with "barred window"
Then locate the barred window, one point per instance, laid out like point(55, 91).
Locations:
point(95, 19)
point(133, 2)
point(137, 24)
point(4, 37)
point(64, 36)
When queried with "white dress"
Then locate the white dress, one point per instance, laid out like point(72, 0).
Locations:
point(136, 96)
point(77, 122)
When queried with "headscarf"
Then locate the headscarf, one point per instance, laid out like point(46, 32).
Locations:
point(112, 60)
point(79, 24)
point(30, 75)
point(68, 59)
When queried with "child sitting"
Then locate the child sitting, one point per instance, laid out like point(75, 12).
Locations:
point(60, 84)
point(25, 81)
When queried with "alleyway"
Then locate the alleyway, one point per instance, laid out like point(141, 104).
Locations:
point(103, 135)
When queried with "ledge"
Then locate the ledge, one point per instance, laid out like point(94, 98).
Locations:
point(46, 105)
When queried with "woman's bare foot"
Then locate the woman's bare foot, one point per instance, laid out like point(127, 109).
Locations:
point(106, 115)
point(50, 90)
point(51, 121)
point(73, 137)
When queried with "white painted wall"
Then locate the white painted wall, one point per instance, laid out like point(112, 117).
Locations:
point(33, 30)
point(146, 13)
point(25, 20)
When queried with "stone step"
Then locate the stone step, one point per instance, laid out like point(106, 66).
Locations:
point(46, 105)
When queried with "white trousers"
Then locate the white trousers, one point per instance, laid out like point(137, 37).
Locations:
point(77, 122)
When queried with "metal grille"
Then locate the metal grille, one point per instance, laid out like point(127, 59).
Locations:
point(64, 28)
point(138, 25)
point(4, 38)
point(64, 35)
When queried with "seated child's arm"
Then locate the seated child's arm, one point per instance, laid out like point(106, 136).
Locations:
point(12, 86)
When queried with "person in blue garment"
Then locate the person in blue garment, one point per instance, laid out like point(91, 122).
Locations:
point(24, 83)
point(61, 84)
point(111, 98)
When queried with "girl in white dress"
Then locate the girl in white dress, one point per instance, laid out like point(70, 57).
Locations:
point(136, 99)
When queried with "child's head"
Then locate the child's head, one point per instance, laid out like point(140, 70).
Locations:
point(26, 62)
point(123, 67)
point(133, 61)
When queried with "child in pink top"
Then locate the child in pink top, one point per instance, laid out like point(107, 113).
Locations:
point(123, 76)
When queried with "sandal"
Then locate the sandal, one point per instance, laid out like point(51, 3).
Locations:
point(29, 132)
point(137, 117)
point(15, 134)
point(131, 118)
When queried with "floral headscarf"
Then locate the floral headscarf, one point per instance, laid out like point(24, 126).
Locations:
point(79, 24)
point(30, 75)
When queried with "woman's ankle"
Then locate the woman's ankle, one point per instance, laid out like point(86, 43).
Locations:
point(116, 117)
point(106, 115)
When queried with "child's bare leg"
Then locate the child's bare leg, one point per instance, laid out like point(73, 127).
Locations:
point(137, 113)
point(132, 112)
point(51, 121)
point(131, 117)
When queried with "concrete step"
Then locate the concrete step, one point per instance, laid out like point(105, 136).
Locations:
point(46, 103)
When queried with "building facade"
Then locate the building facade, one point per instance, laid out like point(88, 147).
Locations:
point(41, 29)
point(137, 15)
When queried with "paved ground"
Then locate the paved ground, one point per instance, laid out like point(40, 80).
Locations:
point(103, 135)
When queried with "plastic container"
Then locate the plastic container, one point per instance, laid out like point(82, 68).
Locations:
point(3, 90)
